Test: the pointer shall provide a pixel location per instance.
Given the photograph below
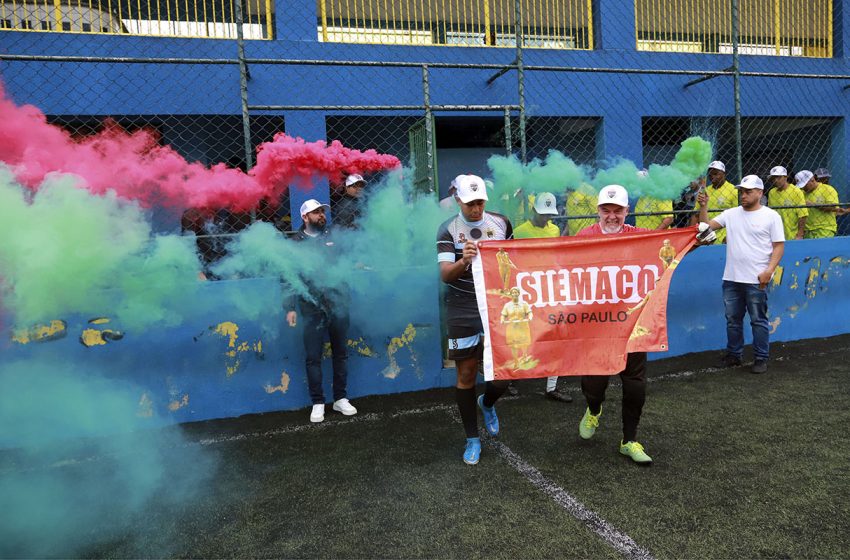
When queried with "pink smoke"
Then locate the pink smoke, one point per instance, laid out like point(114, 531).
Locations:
point(292, 160)
point(136, 167)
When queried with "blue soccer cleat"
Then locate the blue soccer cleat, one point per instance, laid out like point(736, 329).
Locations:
point(472, 451)
point(491, 421)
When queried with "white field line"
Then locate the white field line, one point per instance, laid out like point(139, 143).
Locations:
point(372, 417)
point(618, 540)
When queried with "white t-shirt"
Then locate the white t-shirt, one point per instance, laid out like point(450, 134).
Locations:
point(749, 241)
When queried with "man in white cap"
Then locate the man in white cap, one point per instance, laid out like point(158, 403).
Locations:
point(456, 247)
point(721, 193)
point(821, 222)
point(348, 208)
point(324, 310)
point(612, 208)
point(783, 194)
point(755, 244)
point(540, 225)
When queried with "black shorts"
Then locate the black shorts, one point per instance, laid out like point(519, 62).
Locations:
point(465, 334)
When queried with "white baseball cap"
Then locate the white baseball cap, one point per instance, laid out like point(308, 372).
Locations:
point(469, 188)
point(778, 171)
point(354, 178)
point(718, 165)
point(751, 182)
point(803, 177)
point(613, 194)
point(545, 204)
point(822, 172)
point(310, 205)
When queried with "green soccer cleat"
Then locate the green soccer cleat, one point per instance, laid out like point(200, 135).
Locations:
point(635, 450)
point(589, 423)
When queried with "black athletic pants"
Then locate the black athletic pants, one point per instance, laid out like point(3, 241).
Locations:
point(634, 392)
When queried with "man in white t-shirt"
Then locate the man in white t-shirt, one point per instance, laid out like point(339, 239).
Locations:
point(755, 241)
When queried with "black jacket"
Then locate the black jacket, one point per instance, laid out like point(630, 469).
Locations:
point(324, 299)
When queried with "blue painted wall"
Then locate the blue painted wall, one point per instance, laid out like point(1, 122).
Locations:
point(192, 372)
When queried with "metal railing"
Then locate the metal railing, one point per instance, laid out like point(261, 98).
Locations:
point(211, 19)
point(767, 27)
point(553, 24)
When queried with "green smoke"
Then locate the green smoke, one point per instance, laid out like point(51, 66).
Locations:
point(393, 251)
point(557, 173)
point(664, 182)
point(71, 472)
point(67, 251)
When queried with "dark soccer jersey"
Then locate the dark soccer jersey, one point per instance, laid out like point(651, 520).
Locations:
point(452, 236)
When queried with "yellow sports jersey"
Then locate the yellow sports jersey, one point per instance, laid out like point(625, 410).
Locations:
point(527, 230)
point(821, 223)
point(646, 204)
point(721, 198)
point(791, 196)
point(580, 204)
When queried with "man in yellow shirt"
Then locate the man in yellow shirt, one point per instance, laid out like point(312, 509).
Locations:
point(721, 195)
point(580, 202)
point(821, 222)
point(783, 194)
point(540, 225)
point(648, 205)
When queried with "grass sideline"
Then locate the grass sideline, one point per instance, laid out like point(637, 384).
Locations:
point(745, 466)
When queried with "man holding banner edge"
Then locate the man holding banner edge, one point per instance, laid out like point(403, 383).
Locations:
point(595, 299)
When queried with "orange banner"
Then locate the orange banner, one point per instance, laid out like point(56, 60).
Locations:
point(575, 305)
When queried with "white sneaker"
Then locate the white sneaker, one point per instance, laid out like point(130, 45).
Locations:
point(342, 405)
point(318, 413)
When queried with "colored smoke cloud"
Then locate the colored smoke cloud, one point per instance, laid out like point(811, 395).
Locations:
point(557, 172)
point(67, 251)
point(288, 160)
point(78, 456)
point(136, 167)
point(393, 247)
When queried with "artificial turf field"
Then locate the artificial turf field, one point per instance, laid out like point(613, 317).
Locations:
point(746, 466)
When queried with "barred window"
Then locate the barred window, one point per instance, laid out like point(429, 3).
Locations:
point(167, 18)
point(559, 24)
point(767, 27)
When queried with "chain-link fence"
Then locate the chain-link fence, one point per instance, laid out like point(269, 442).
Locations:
point(218, 100)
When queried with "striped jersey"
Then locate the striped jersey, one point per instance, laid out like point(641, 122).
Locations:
point(451, 237)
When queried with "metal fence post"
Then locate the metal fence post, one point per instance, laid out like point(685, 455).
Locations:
point(429, 147)
point(736, 80)
point(509, 142)
point(520, 72)
point(243, 84)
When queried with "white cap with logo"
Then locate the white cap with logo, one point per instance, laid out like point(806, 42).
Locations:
point(469, 188)
point(310, 205)
point(751, 182)
point(613, 194)
point(778, 171)
point(803, 177)
point(354, 178)
point(718, 165)
point(545, 204)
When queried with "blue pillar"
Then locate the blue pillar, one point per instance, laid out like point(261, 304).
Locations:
point(841, 29)
point(620, 136)
point(614, 25)
point(295, 20)
point(309, 125)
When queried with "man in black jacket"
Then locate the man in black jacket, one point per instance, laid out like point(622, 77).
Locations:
point(348, 208)
point(323, 310)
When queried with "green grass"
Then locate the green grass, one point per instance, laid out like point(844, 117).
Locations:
point(745, 466)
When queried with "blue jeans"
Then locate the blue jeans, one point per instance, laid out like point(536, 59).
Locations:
point(315, 326)
point(739, 298)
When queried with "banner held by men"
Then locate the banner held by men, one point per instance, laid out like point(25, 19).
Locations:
point(574, 305)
